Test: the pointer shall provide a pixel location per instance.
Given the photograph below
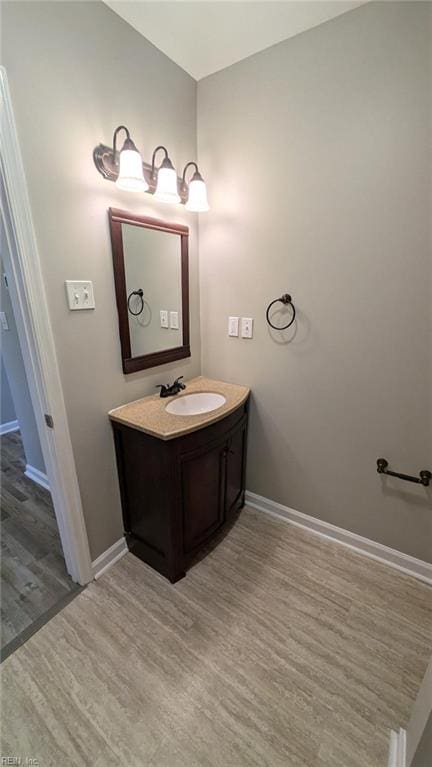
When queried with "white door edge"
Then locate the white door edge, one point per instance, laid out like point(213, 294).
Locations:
point(37, 342)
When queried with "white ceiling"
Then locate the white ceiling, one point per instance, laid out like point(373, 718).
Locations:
point(203, 37)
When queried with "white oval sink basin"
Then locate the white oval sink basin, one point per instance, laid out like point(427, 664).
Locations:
point(193, 404)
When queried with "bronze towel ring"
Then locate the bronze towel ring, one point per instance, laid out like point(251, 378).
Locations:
point(140, 294)
point(285, 299)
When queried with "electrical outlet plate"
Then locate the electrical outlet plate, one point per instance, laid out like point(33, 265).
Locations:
point(174, 321)
point(247, 327)
point(163, 318)
point(233, 326)
point(3, 321)
point(80, 294)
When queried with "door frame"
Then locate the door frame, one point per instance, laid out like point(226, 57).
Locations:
point(27, 289)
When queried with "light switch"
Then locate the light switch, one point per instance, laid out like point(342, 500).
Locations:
point(174, 320)
point(247, 327)
point(163, 318)
point(80, 294)
point(233, 326)
point(3, 321)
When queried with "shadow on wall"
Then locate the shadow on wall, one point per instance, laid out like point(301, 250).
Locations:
point(7, 407)
point(299, 332)
point(17, 380)
point(423, 501)
point(270, 433)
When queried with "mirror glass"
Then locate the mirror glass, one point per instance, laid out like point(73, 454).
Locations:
point(151, 267)
point(153, 286)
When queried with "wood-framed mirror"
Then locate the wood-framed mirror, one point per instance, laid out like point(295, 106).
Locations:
point(151, 276)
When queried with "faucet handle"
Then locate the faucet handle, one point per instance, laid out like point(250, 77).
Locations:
point(177, 383)
point(163, 388)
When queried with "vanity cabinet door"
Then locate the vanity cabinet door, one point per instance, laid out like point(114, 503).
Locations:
point(235, 469)
point(203, 485)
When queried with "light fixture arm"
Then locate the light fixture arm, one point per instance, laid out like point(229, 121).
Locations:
point(116, 132)
point(196, 176)
point(194, 192)
point(189, 165)
point(166, 159)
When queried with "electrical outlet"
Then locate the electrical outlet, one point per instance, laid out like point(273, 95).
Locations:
point(174, 320)
point(233, 326)
point(3, 321)
point(247, 327)
point(164, 318)
point(80, 294)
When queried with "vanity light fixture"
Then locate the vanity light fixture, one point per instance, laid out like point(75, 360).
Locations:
point(130, 174)
point(127, 169)
point(196, 190)
point(166, 187)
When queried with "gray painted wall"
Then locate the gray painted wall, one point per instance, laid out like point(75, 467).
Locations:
point(423, 755)
point(7, 408)
point(317, 156)
point(15, 371)
point(76, 71)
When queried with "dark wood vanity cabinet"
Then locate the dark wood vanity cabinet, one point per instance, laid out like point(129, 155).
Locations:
point(176, 494)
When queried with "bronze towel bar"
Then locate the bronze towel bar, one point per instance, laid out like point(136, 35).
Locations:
point(424, 477)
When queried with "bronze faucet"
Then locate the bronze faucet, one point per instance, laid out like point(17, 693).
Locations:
point(169, 391)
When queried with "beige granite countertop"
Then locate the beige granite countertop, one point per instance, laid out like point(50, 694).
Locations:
point(149, 415)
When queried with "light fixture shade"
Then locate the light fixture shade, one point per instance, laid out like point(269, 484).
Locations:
point(197, 198)
point(130, 177)
point(166, 189)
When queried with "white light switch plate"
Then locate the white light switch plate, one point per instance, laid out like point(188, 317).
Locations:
point(3, 321)
point(247, 327)
point(163, 318)
point(174, 320)
point(80, 294)
point(233, 326)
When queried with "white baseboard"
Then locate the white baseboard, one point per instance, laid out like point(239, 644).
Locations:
point(397, 750)
point(109, 558)
point(37, 476)
point(384, 554)
point(5, 428)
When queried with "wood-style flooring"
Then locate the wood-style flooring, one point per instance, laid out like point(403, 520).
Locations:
point(33, 573)
point(278, 649)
